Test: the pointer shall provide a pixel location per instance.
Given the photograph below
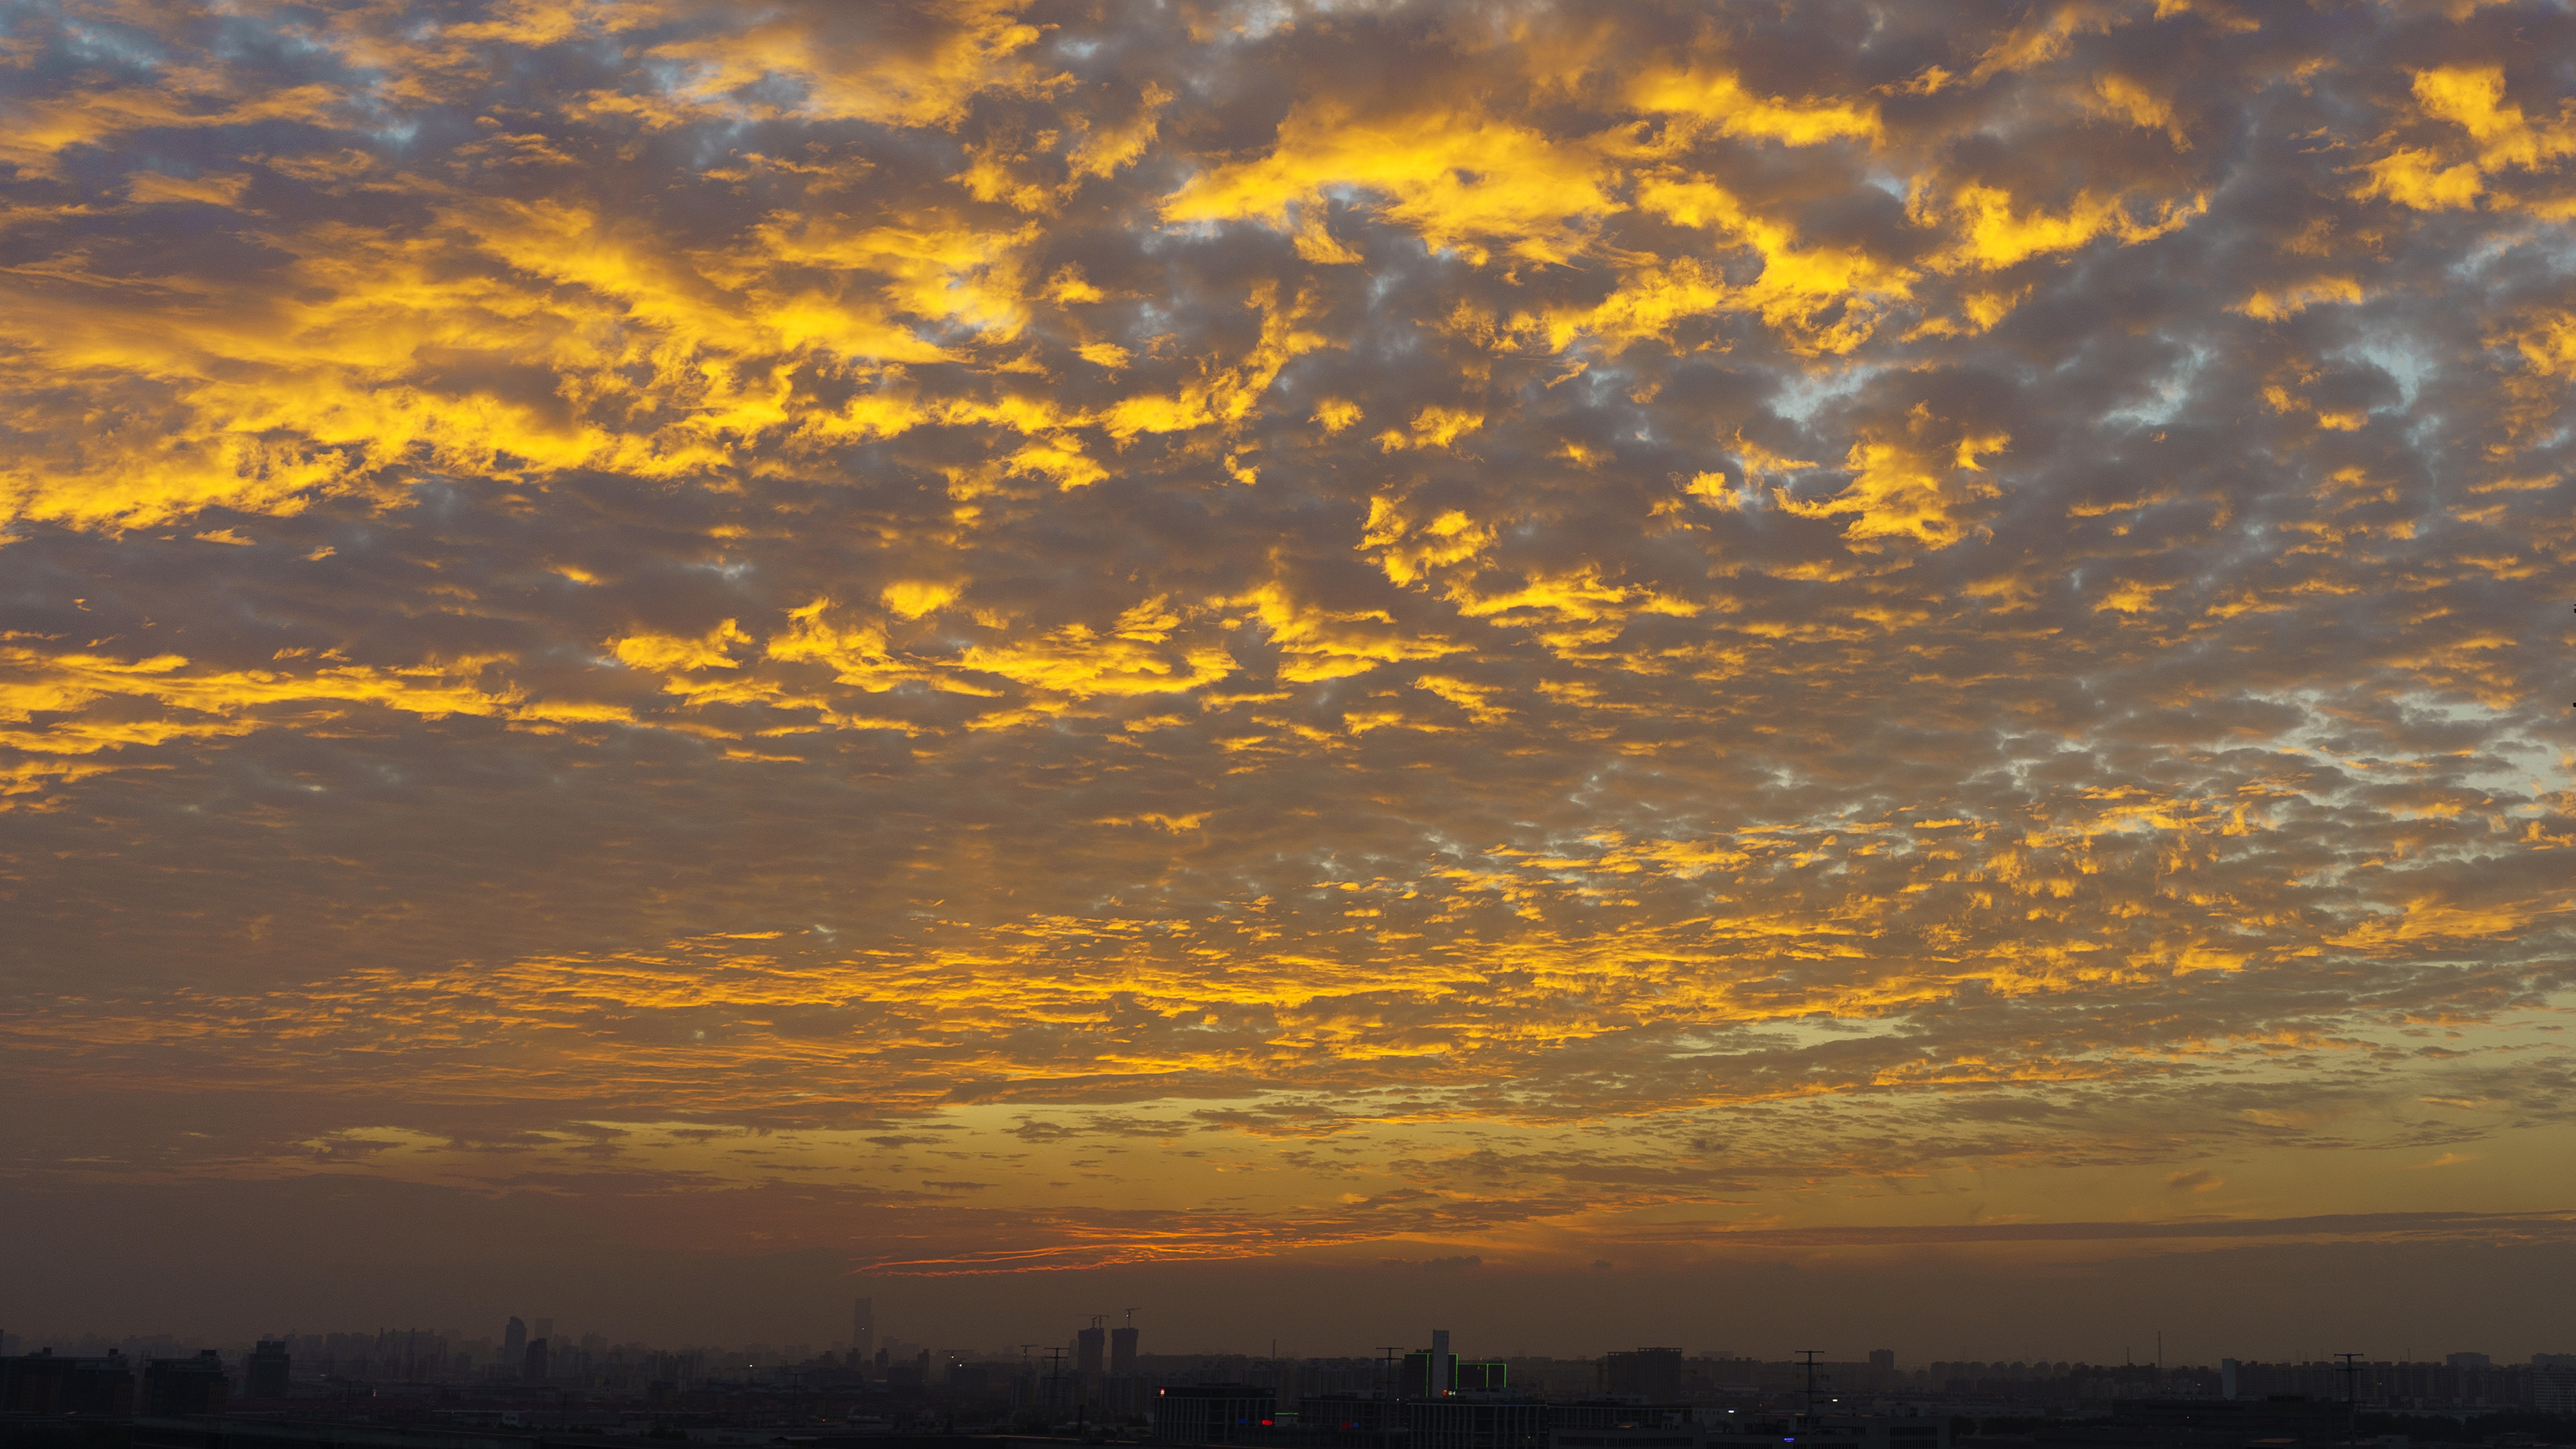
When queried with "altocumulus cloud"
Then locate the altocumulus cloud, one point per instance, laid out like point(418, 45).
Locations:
point(1482, 631)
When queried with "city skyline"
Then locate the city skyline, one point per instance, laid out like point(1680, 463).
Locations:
point(500, 1348)
point(291, 1390)
point(455, 1354)
point(1897, 672)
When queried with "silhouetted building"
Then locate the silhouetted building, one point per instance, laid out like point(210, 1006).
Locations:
point(1600, 1413)
point(1122, 1350)
point(1213, 1414)
point(1632, 1436)
point(40, 1383)
point(174, 1388)
point(1883, 1359)
point(863, 1330)
point(2553, 1383)
point(1487, 1377)
point(1430, 1373)
point(1088, 1346)
point(1475, 1424)
point(514, 1343)
point(2215, 1423)
point(532, 1368)
point(1850, 1431)
point(264, 1373)
point(1650, 1373)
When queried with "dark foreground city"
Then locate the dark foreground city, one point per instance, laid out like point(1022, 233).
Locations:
point(409, 1389)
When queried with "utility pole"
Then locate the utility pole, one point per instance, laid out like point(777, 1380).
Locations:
point(2351, 1396)
point(1386, 1391)
point(1809, 1354)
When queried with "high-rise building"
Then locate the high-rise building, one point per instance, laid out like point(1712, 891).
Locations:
point(1122, 1350)
point(39, 1383)
point(533, 1367)
point(1211, 1413)
point(1489, 1377)
point(177, 1387)
point(1883, 1359)
point(1653, 1374)
point(514, 1344)
point(2553, 1383)
point(2468, 1360)
point(1430, 1373)
point(264, 1373)
point(1088, 1347)
point(863, 1330)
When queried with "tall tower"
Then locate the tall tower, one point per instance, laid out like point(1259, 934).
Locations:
point(1089, 1343)
point(1122, 1346)
point(1442, 1371)
point(514, 1344)
point(863, 1330)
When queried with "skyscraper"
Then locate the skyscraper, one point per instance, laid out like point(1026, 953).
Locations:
point(1088, 1345)
point(514, 1345)
point(1122, 1350)
point(863, 1330)
point(533, 1368)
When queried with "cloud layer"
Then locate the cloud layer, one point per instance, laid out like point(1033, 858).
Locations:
point(1027, 636)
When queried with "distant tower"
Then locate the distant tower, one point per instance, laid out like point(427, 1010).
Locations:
point(1883, 1358)
point(1442, 1370)
point(514, 1344)
point(863, 1329)
point(533, 1368)
point(1089, 1343)
point(1122, 1346)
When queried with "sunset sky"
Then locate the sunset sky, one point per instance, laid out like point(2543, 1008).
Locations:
point(1675, 673)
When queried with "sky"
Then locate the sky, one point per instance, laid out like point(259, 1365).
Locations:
point(1645, 673)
